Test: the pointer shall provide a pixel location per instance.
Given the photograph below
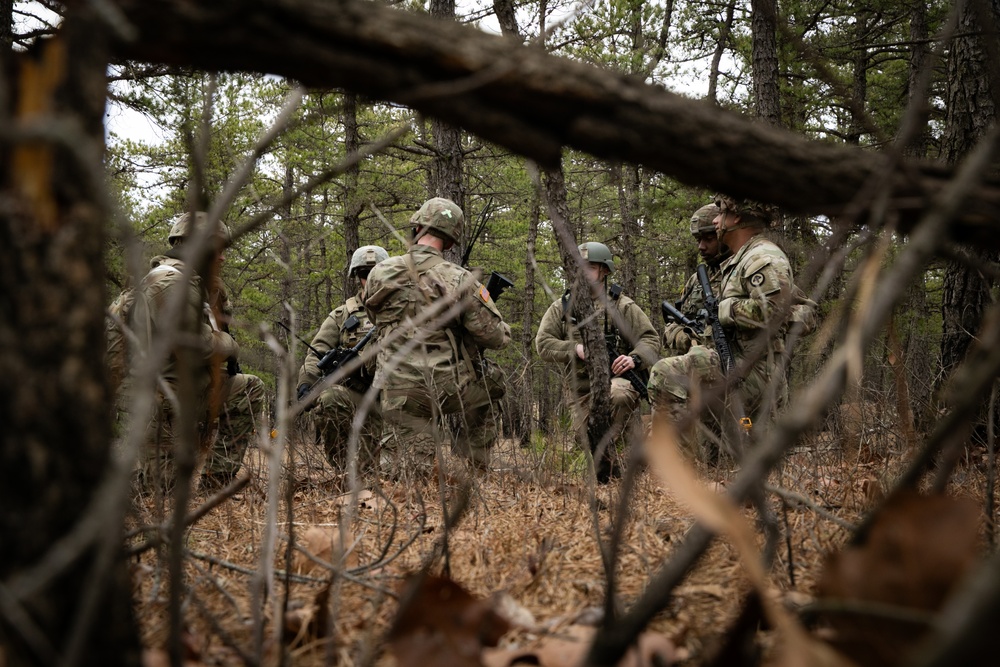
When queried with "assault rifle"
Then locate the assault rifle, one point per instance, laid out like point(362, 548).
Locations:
point(633, 378)
point(333, 359)
point(718, 335)
point(671, 314)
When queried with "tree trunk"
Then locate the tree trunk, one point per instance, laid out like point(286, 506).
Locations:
point(598, 364)
point(628, 203)
point(528, 320)
point(447, 166)
point(55, 442)
point(764, 47)
point(919, 139)
point(353, 203)
point(972, 110)
point(720, 48)
point(859, 91)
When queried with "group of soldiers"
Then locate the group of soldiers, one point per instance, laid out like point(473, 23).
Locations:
point(424, 386)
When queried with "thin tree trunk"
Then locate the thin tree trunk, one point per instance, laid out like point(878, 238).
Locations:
point(764, 47)
point(720, 48)
point(628, 203)
point(448, 164)
point(598, 365)
point(528, 321)
point(353, 203)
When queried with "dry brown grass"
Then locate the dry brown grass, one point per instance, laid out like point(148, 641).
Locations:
point(529, 531)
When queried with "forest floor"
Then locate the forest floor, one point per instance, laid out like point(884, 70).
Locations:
point(528, 540)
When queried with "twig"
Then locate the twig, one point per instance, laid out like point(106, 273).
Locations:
point(797, 498)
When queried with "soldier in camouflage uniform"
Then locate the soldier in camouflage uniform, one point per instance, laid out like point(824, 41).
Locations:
point(232, 400)
point(344, 328)
point(428, 371)
point(637, 348)
point(676, 339)
point(756, 285)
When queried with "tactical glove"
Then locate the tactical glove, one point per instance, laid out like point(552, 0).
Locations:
point(303, 390)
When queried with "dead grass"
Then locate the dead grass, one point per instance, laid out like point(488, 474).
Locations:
point(529, 531)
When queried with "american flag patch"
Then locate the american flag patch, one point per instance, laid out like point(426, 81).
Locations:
point(484, 294)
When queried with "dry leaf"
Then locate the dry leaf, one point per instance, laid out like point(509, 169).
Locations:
point(442, 624)
point(324, 543)
point(918, 548)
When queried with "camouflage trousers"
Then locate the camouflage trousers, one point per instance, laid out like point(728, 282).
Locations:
point(624, 402)
point(675, 385)
point(221, 444)
point(334, 416)
point(416, 421)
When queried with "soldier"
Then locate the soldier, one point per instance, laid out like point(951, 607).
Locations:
point(344, 328)
point(231, 400)
point(755, 287)
point(427, 369)
point(635, 348)
point(676, 339)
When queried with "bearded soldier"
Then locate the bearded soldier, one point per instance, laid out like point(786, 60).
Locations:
point(433, 317)
point(230, 401)
point(757, 296)
point(676, 339)
point(345, 327)
point(635, 348)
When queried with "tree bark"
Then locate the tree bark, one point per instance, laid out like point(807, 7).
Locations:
point(353, 204)
point(628, 204)
point(55, 403)
point(972, 110)
point(764, 55)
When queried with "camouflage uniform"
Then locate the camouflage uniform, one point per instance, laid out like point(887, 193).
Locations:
point(755, 284)
point(556, 342)
point(676, 340)
point(336, 406)
point(438, 377)
point(238, 399)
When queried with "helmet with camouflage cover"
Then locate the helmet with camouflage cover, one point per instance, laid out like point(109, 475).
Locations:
point(750, 212)
point(366, 257)
point(182, 228)
point(598, 253)
point(442, 215)
point(701, 221)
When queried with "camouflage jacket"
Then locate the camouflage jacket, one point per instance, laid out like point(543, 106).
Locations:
point(343, 327)
point(150, 310)
point(756, 284)
point(557, 339)
point(397, 296)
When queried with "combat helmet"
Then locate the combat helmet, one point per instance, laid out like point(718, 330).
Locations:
point(182, 228)
point(749, 211)
point(597, 253)
point(442, 215)
point(366, 257)
point(701, 221)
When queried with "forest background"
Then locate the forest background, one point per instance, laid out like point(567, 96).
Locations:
point(838, 76)
point(873, 126)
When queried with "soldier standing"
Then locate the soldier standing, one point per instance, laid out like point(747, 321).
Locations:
point(427, 367)
point(232, 400)
point(344, 327)
point(636, 348)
